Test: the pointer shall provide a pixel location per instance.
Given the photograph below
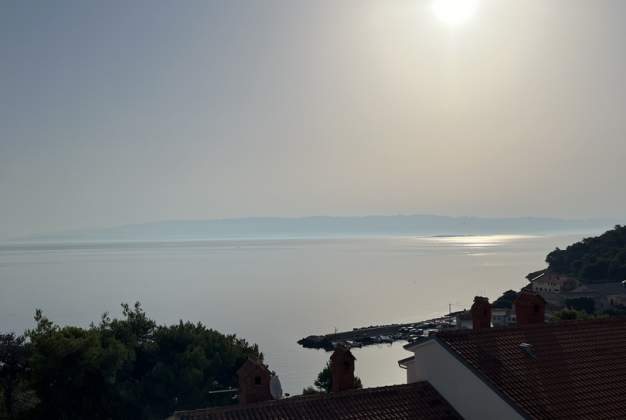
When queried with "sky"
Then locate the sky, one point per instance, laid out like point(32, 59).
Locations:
point(116, 112)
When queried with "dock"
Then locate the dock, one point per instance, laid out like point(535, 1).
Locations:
point(379, 334)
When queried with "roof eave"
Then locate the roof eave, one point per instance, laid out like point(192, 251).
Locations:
point(404, 362)
point(412, 346)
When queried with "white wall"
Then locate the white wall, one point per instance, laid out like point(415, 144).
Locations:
point(467, 393)
point(410, 372)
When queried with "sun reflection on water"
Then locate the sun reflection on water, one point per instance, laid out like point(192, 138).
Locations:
point(479, 241)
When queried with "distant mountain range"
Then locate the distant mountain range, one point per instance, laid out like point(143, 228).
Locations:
point(328, 226)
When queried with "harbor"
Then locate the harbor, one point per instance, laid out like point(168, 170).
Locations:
point(380, 334)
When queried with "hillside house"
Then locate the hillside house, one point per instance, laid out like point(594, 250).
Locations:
point(463, 320)
point(501, 317)
point(548, 282)
point(604, 295)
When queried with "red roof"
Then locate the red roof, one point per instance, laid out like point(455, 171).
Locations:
point(417, 401)
point(566, 370)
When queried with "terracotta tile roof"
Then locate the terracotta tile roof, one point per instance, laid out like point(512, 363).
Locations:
point(571, 370)
point(419, 401)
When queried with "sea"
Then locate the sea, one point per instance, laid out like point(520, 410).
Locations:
point(272, 291)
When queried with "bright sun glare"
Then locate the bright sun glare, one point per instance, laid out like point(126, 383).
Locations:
point(454, 12)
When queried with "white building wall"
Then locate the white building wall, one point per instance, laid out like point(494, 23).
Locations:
point(411, 372)
point(467, 393)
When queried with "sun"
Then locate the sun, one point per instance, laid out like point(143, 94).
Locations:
point(454, 12)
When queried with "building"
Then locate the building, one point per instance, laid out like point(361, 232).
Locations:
point(502, 317)
point(499, 317)
point(546, 281)
point(463, 320)
point(414, 401)
point(617, 300)
point(567, 370)
point(604, 295)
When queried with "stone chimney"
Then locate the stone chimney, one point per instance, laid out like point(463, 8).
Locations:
point(254, 382)
point(481, 313)
point(342, 369)
point(530, 308)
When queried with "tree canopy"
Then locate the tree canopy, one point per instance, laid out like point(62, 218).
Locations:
point(593, 260)
point(128, 368)
point(586, 304)
point(571, 314)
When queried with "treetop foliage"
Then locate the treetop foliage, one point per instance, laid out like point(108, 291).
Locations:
point(127, 368)
point(593, 260)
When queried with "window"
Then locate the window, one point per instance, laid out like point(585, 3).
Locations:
point(257, 380)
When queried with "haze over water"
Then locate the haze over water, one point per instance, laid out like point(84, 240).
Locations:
point(272, 292)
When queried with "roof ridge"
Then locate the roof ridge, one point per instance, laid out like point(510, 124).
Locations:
point(297, 399)
point(546, 325)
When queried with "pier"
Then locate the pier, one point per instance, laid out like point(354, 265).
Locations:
point(378, 334)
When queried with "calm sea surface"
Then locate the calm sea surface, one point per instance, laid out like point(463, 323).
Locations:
point(272, 292)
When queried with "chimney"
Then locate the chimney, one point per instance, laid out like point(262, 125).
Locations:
point(481, 313)
point(342, 369)
point(530, 308)
point(254, 382)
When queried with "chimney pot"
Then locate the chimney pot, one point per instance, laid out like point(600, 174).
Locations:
point(254, 382)
point(481, 313)
point(530, 308)
point(342, 369)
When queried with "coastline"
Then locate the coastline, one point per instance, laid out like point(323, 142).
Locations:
point(377, 334)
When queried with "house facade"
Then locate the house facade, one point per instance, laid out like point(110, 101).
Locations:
point(609, 295)
point(548, 282)
point(463, 320)
point(617, 300)
point(604, 295)
point(501, 317)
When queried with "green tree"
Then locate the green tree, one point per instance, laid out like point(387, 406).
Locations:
point(75, 371)
point(130, 368)
point(581, 304)
point(571, 314)
point(13, 368)
point(593, 260)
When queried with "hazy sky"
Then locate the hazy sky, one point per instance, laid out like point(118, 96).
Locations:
point(116, 112)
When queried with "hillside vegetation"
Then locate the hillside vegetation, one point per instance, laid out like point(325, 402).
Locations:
point(593, 260)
